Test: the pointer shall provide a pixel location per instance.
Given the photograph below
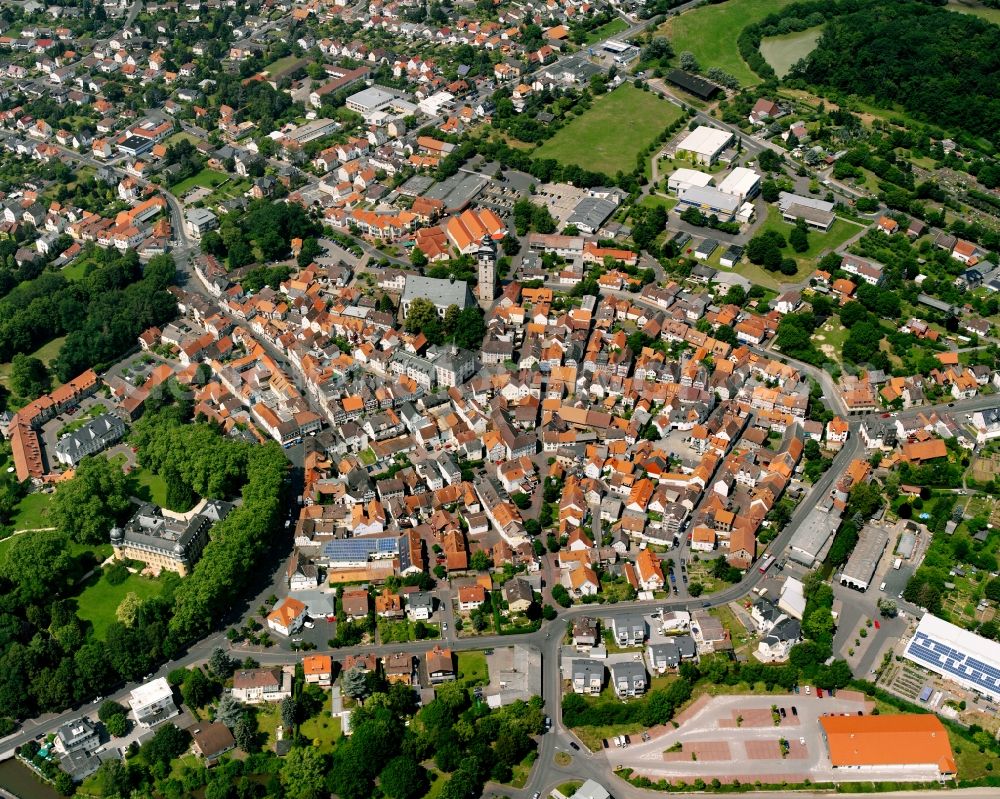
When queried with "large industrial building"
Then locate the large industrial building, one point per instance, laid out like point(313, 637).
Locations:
point(743, 182)
point(710, 201)
point(860, 567)
point(685, 178)
point(705, 144)
point(963, 657)
point(917, 742)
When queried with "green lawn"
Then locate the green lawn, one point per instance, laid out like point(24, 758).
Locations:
point(567, 789)
point(99, 600)
point(281, 63)
point(830, 338)
point(76, 270)
point(46, 354)
point(781, 52)
point(711, 31)
point(268, 718)
point(438, 781)
point(323, 730)
point(819, 243)
point(967, 7)
point(472, 668)
point(616, 26)
point(155, 486)
point(654, 201)
point(599, 140)
point(33, 511)
point(207, 178)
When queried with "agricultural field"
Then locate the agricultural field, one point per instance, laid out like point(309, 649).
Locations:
point(711, 31)
point(599, 140)
point(781, 52)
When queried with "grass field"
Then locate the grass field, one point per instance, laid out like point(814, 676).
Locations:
point(207, 178)
point(181, 135)
point(99, 600)
point(438, 781)
point(781, 52)
point(156, 486)
point(819, 243)
point(654, 201)
point(472, 668)
point(612, 132)
point(963, 7)
point(46, 354)
point(616, 26)
point(76, 270)
point(711, 31)
point(33, 511)
point(830, 338)
point(322, 730)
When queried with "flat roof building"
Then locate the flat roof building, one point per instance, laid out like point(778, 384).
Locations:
point(153, 702)
point(370, 100)
point(710, 201)
point(705, 144)
point(909, 740)
point(860, 567)
point(684, 178)
point(743, 182)
point(963, 657)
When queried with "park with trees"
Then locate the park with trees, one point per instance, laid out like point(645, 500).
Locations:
point(51, 656)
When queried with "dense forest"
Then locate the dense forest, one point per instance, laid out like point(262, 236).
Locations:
point(940, 66)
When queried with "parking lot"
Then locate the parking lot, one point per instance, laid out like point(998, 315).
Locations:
point(735, 738)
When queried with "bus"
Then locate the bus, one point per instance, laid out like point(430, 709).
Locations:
point(766, 562)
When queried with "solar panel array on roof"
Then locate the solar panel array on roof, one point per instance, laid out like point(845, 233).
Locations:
point(360, 549)
point(956, 653)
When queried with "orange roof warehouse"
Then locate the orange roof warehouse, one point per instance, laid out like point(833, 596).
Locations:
point(867, 742)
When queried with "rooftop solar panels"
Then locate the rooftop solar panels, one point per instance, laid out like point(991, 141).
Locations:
point(969, 659)
point(359, 550)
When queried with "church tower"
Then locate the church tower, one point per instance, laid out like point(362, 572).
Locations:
point(486, 291)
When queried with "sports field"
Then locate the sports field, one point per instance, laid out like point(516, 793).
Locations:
point(781, 52)
point(711, 31)
point(609, 135)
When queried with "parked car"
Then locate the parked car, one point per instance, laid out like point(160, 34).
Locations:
point(783, 712)
point(574, 745)
point(795, 710)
